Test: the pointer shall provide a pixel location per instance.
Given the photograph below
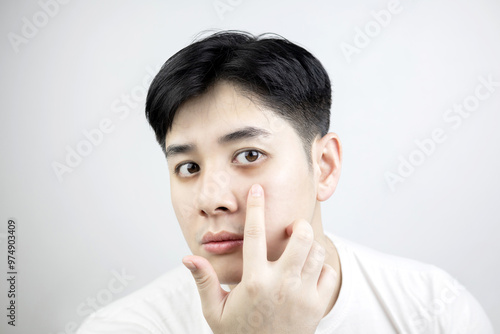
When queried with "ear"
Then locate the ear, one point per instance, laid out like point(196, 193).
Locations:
point(328, 162)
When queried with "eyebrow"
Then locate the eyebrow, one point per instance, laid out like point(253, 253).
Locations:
point(247, 132)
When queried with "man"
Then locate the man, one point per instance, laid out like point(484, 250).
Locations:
point(243, 122)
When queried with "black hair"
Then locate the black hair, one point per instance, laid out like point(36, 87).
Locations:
point(283, 76)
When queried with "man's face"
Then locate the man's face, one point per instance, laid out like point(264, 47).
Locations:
point(219, 145)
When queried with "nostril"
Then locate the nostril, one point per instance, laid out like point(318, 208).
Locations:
point(222, 208)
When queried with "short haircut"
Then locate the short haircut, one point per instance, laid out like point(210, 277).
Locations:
point(281, 75)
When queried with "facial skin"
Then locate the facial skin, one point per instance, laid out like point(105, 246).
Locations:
point(210, 190)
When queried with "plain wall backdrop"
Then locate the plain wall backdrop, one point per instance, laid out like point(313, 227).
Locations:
point(104, 226)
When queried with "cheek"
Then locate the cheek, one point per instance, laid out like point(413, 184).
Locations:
point(288, 193)
point(184, 208)
point(184, 202)
point(285, 194)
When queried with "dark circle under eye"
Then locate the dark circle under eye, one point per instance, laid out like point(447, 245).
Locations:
point(192, 168)
point(251, 155)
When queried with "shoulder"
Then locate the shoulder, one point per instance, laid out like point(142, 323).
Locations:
point(169, 304)
point(423, 296)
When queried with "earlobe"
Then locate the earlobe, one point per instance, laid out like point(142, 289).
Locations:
point(329, 162)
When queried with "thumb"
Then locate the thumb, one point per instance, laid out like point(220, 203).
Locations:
point(211, 294)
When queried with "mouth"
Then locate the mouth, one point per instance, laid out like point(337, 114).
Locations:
point(221, 242)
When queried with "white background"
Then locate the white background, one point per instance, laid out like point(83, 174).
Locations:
point(113, 211)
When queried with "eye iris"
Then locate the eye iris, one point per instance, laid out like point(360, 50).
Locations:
point(192, 168)
point(251, 155)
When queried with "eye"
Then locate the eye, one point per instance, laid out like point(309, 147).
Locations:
point(248, 157)
point(187, 169)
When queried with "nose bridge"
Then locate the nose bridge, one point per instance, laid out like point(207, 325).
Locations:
point(214, 191)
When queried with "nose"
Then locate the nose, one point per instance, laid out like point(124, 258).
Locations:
point(215, 195)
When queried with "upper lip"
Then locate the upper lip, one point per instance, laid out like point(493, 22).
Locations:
point(220, 236)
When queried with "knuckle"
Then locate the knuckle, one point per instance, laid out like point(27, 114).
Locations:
point(253, 232)
point(310, 266)
point(203, 282)
point(253, 285)
point(329, 271)
point(292, 282)
point(293, 271)
point(318, 252)
point(304, 232)
point(314, 263)
point(253, 204)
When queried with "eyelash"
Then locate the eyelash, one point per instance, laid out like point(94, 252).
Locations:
point(260, 154)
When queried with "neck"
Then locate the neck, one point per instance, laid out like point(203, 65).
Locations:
point(332, 259)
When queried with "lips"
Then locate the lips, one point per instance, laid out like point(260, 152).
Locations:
point(221, 242)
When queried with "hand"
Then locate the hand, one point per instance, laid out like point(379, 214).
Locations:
point(289, 295)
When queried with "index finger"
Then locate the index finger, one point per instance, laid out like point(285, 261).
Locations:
point(254, 242)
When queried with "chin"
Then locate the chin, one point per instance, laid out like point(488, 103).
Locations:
point(229, 273)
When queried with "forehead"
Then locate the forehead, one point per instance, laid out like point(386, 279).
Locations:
point(220, 110)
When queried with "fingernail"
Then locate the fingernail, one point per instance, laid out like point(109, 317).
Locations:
point(256, 190)
point(190, 265)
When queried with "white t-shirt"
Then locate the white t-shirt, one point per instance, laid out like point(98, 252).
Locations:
point(380, 293)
